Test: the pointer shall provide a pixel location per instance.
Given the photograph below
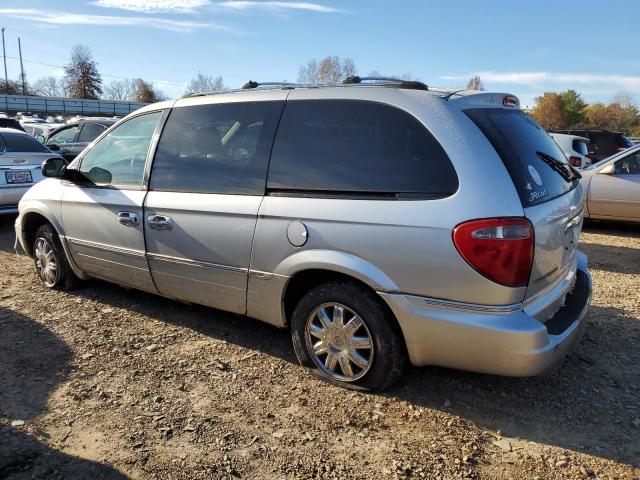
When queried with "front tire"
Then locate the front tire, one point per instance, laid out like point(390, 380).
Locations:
point(344, 334)
point(51, 262)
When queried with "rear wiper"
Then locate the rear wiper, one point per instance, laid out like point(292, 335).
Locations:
point(564, 169)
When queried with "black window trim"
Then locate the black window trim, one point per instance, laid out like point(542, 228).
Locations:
point(358, 195)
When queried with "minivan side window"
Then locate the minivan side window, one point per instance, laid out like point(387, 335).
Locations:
point(119, 157)
point(216, 148)
point(353, 147)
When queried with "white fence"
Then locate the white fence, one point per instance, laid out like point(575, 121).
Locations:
point(61, 105)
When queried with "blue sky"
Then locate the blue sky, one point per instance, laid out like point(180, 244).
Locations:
point(522, 47)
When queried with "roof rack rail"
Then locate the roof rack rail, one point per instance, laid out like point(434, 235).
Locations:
point(251, 84)
point(386, 81)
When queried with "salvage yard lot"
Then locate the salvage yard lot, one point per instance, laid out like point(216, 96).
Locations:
point(115, 383)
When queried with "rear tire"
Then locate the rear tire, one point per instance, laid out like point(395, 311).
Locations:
point(51, 262)
point(344, 334)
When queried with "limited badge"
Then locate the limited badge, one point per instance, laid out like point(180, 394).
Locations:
point(535, 175)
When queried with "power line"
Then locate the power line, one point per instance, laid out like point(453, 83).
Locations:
point(102, 74)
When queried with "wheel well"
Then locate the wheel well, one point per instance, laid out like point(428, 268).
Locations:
point(30, 225)
point(304, 281)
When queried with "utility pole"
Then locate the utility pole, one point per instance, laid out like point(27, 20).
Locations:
point(24, 87)
point(4, 57)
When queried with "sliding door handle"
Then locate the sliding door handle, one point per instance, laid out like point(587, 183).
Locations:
point(159, 222)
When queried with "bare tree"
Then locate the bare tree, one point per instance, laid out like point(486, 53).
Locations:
point(625, 99)
point(82, 74)
point(120, 90)
point(475, 83)
point(327, 70)
point(405, 76)
point(48, 87)
point(205, 84)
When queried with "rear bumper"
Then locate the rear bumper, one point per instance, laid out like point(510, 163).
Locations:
point(503, 341)
point(10, 196)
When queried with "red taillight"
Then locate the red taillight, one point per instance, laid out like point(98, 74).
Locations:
point(575, 161)
point(501, 249)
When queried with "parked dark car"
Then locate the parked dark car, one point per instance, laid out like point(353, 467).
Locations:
point(69, 140)
point(10, 123)
point(604, 143)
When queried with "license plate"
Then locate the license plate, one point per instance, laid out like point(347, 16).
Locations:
point(18, 176)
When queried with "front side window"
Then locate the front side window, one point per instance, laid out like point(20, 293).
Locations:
point(21, 143)
point(90, 132)
point(63, 136)
point(629, 165)
point(119, 157)
point(352, 147)
point(219, 148)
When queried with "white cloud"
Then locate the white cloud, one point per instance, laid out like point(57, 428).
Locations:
point(153, 6)
point(66, 18)
point(540, 80)
point(276, 6)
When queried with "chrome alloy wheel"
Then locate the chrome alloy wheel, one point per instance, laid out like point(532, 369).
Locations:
point(46, 262)
point(339, 342)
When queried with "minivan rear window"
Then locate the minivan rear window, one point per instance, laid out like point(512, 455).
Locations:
point(355, 147)
point(528, 152)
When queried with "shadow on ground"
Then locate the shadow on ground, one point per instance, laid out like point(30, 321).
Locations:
point(607, 258)
point(7, 232)
point(581, 407)
point(33, 361)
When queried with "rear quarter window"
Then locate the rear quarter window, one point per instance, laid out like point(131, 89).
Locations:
point(357, 147)
point(517, 138)
point(580, 146)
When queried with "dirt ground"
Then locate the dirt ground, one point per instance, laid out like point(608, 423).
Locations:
point(105, 382)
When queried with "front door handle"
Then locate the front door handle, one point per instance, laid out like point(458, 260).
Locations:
point(159, 222)
point(130, 219)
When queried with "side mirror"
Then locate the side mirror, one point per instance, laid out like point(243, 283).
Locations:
point(53, 146)
point(99, 175)
point(608, 170)
point(53, 168)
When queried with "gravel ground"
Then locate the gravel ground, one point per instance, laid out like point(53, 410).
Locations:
point(105, 382)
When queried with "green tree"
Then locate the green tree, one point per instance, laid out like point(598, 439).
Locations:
point(574, 107)
point(82, 74)
point(550, 111)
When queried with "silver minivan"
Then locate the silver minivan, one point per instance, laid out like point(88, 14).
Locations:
point(382, 223)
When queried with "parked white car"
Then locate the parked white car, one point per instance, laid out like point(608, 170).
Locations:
point(21, 158)
point(39, 131)
point(575, 148)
